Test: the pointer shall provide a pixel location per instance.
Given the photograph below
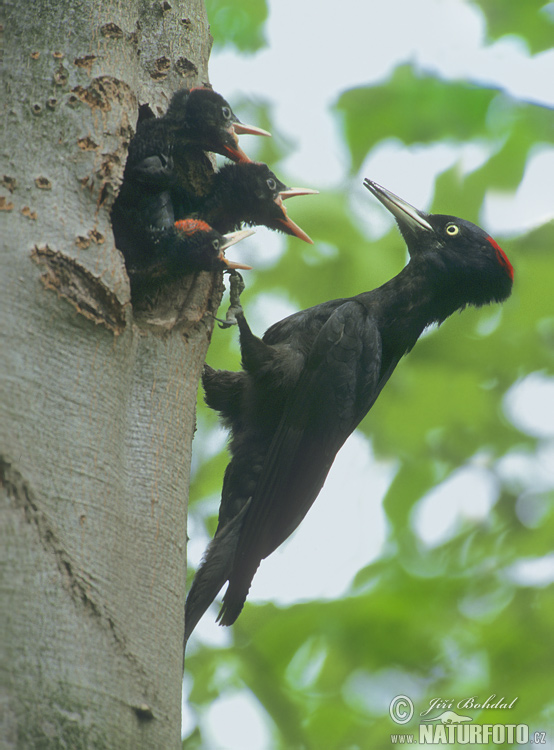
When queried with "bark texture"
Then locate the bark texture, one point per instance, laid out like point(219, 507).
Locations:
point(97, 403)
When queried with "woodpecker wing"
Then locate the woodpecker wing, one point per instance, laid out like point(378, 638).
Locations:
point(153, 173)
point(337, 387)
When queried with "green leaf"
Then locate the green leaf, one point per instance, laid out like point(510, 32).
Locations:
point(240, 24)
point(532, 21)
point(445, 110)
point(453, 111)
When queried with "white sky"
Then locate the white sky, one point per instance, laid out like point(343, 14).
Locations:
point(313, 55)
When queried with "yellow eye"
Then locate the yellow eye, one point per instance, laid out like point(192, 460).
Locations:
point(452, 229)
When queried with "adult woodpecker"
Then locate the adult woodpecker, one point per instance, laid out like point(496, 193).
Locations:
point(187, 247)
point(312, 378)
point(249, 193)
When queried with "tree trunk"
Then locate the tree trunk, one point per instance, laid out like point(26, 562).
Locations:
point(97, 403)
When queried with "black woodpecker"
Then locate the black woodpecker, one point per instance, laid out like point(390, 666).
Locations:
point(312, 378)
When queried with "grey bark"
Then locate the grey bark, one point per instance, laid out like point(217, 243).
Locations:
point(97, 403)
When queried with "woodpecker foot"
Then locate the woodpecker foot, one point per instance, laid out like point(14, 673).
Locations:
point(236, 288)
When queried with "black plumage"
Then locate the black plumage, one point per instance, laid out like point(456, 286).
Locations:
point(313, 377)
point(195, 117)
point(188, 246)
point(249, 193)
point(166, 161)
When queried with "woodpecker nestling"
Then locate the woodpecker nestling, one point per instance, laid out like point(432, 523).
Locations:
point(249, 193)
point(195, 117)
point(187, 247)
point(312, 378)
point(163, 154)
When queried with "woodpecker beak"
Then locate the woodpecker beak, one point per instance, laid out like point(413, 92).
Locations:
point(231, 239)
point(293, 192)
point(231, 264)
point(242, 129)
point(232, 149)
point(285, 223)
point(408, 217)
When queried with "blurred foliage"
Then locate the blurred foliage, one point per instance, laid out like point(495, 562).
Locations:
point(447, 621)
point(532, 21)
point(447, 111)
point(240, 25)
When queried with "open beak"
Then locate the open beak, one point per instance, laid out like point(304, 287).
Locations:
point(286, 224)
point(408, 217)
point(233, 150)
point(231, 239)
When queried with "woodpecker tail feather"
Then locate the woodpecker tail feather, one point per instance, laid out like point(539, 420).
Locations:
point(213, 572)
point(235, 597)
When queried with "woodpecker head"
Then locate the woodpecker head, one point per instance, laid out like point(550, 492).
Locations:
point(203, 248)
point(259, 195)
point(205, 118)
point(464, 258)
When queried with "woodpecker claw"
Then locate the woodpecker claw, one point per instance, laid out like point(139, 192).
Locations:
point(236, 288)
